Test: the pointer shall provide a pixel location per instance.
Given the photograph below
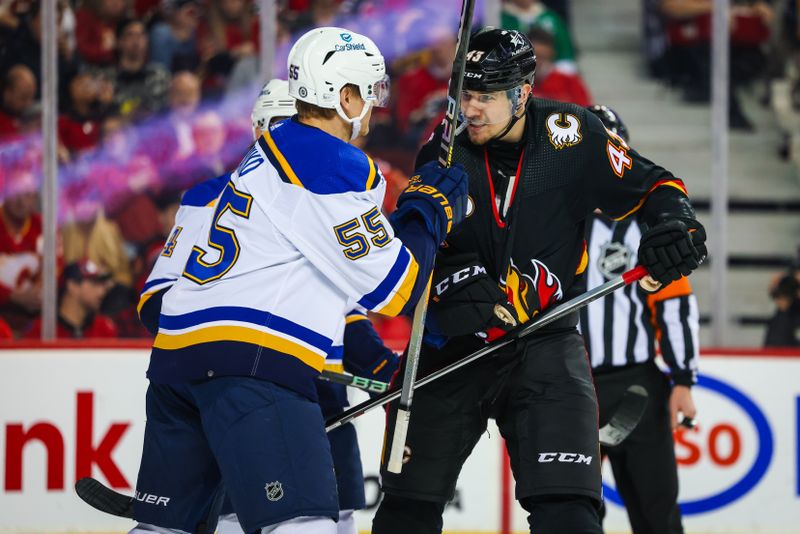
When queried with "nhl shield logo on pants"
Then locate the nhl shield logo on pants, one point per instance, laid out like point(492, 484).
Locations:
point(274, 491)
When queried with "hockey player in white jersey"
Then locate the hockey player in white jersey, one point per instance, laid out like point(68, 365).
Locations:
point(364, 354)
point(360, 352)
point(295, 238)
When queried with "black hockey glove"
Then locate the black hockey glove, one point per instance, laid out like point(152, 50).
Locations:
point(673, 248)
point(438, 195)
point(464, 300)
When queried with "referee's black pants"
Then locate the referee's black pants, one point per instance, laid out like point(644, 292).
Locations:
point(644, 466)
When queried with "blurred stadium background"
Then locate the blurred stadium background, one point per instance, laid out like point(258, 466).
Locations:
point(148, 97)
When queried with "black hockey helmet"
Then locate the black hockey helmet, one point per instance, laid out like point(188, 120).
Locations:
point(610, 120)
point(498, 60)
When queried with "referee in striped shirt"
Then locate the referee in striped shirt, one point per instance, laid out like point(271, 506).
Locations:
point(622, 333)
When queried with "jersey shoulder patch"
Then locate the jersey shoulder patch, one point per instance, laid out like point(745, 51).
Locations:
point(563, 122)
point(315, 160)
point(205, 192)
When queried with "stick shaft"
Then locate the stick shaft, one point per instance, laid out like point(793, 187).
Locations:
point(455, 85)
point(556, 313)
point(445, 159)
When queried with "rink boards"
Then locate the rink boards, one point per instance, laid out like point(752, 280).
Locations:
point(68, 413)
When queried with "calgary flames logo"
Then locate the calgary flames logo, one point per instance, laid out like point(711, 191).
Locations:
point(564, 130)
point(531, 295)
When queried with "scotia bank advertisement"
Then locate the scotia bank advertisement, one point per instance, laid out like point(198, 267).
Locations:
point(70, 413)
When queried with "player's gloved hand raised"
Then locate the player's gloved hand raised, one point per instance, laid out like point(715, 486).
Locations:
point(436, 194)
point(673, 248)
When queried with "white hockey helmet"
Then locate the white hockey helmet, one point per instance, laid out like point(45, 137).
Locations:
point(326, 59)
point(273, 101)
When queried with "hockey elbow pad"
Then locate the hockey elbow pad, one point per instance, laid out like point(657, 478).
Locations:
point(437, 195)
point(673, 248)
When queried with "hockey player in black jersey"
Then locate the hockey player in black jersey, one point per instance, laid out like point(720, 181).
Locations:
point(537, 168)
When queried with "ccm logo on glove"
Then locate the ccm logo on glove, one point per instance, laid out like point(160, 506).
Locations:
point(459, 276)
point(564, 458)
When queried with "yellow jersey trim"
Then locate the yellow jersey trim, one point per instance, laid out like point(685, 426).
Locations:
point(584, 262)
point(241, 334)
point(372, 174)
point(143, 300)
point(335, 367)
point(403, 293)
point(287, 169)
point(355, 317)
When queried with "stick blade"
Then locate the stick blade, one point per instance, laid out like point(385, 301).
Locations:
point(625, 419)
point(99, 497)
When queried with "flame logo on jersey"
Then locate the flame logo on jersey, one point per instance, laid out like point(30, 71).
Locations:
point(531, 295)
point(564, 130)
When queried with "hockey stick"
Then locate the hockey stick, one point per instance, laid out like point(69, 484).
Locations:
point(625, 418)
point(454, 86)
point(562, 310)
point(102, 498)
point(359, 382)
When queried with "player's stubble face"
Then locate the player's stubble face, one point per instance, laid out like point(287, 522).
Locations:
point(487, 114)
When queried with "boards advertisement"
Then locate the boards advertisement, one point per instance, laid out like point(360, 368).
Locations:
point(69, 413)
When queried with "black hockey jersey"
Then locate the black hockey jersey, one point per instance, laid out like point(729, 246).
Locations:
point(527, 228)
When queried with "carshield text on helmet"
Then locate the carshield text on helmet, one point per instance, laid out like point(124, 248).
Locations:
point(324, 60)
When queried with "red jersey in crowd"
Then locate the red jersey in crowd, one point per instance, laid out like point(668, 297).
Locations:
point(94, 38)
point(76, 134)
point(234, 34)
point(10, 127)
point(19, 255)
point(95, 326)
point(564, 87)
point(20, 266)
point(413, 89)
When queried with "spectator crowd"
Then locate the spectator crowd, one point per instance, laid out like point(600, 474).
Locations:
point(155, 95)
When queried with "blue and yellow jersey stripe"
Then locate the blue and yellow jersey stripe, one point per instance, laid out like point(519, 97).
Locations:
point(151, 288)
point(333, 167)
point(244, 325)
point(394, 291)
point(352, 317)
point(205, 193)
point(373, 173)
point(278, 160)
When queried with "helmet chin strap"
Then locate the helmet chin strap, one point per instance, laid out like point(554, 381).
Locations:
point(515, 105)
point(355, 122)
point(512, 121)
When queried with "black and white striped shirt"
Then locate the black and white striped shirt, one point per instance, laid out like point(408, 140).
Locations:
point(626, 327)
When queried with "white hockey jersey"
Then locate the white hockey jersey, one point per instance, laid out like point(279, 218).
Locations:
point(191, 223)
point(296, 238)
